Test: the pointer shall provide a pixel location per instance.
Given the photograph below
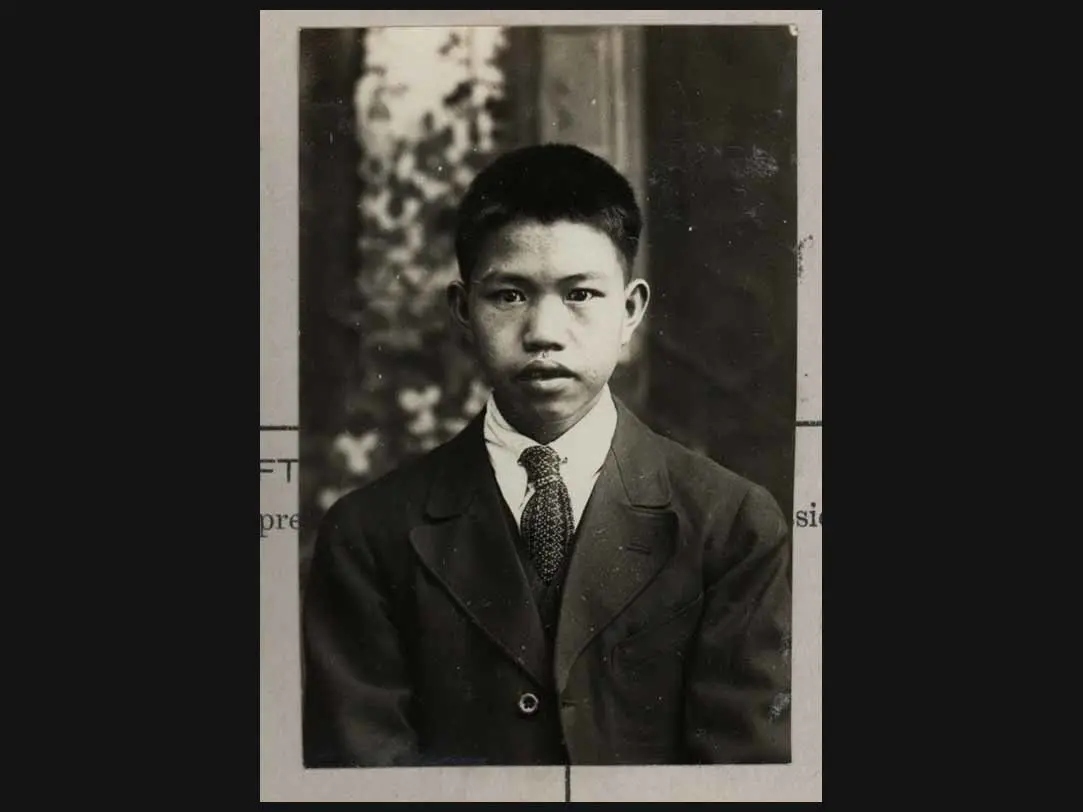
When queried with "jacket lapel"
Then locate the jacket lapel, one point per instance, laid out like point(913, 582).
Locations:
point(467, 548)
point(626, 535)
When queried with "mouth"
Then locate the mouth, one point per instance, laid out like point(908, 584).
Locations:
point(543, 371)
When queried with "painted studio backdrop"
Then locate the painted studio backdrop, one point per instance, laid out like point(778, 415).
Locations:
point(395, 122)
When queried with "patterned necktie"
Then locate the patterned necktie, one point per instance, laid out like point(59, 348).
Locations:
point(547, 518)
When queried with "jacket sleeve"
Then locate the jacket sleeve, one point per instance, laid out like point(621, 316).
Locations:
point(357, 691)
point(738, 697)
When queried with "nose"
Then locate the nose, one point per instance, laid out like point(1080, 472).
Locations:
point(545, 325)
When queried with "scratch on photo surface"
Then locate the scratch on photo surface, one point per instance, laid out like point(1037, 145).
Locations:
point(779, 704)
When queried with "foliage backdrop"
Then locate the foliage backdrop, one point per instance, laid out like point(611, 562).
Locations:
point(431, 110)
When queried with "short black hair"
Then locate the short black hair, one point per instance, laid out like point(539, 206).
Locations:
point(547, 183)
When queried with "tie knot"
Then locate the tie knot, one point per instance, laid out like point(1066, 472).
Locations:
point(541, 463)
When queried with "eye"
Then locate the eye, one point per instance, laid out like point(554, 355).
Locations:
point(506, 296)
point(583, 294)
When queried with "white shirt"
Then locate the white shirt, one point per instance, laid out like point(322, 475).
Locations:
point(582, 449)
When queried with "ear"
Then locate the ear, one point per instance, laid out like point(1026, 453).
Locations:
point(458, 300)
point(637, 296)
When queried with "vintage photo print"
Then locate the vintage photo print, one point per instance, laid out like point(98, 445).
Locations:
point(547, 457)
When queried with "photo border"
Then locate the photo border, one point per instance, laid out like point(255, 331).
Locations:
point(282, 776)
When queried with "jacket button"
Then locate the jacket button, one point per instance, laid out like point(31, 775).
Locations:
point(528, 704)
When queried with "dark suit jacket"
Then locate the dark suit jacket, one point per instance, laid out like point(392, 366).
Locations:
point(422, 638)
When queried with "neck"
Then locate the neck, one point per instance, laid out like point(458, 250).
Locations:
point(543, 431)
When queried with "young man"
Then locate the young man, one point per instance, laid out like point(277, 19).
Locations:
point(558, 584)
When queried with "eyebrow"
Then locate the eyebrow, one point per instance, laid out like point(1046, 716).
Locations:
point(501, 277)
point(497, 276)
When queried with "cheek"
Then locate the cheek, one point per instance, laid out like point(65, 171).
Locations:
point(494, 333)
point(603, 321)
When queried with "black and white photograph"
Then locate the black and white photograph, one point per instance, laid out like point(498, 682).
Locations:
point(548, 382)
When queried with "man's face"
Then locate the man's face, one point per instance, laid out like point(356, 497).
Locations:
point(549, 312)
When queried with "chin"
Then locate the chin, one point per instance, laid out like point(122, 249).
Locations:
point(542, 409)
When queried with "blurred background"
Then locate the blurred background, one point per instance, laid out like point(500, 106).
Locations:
point(395, 122)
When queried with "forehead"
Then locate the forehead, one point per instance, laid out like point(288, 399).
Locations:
point(549, 251)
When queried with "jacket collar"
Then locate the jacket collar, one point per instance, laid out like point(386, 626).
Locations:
point(643, 478)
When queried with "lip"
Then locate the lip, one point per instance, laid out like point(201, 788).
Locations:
point(545, 385)
point(540, 371)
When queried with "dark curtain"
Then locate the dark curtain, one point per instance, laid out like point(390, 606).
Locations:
point(722, 207)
